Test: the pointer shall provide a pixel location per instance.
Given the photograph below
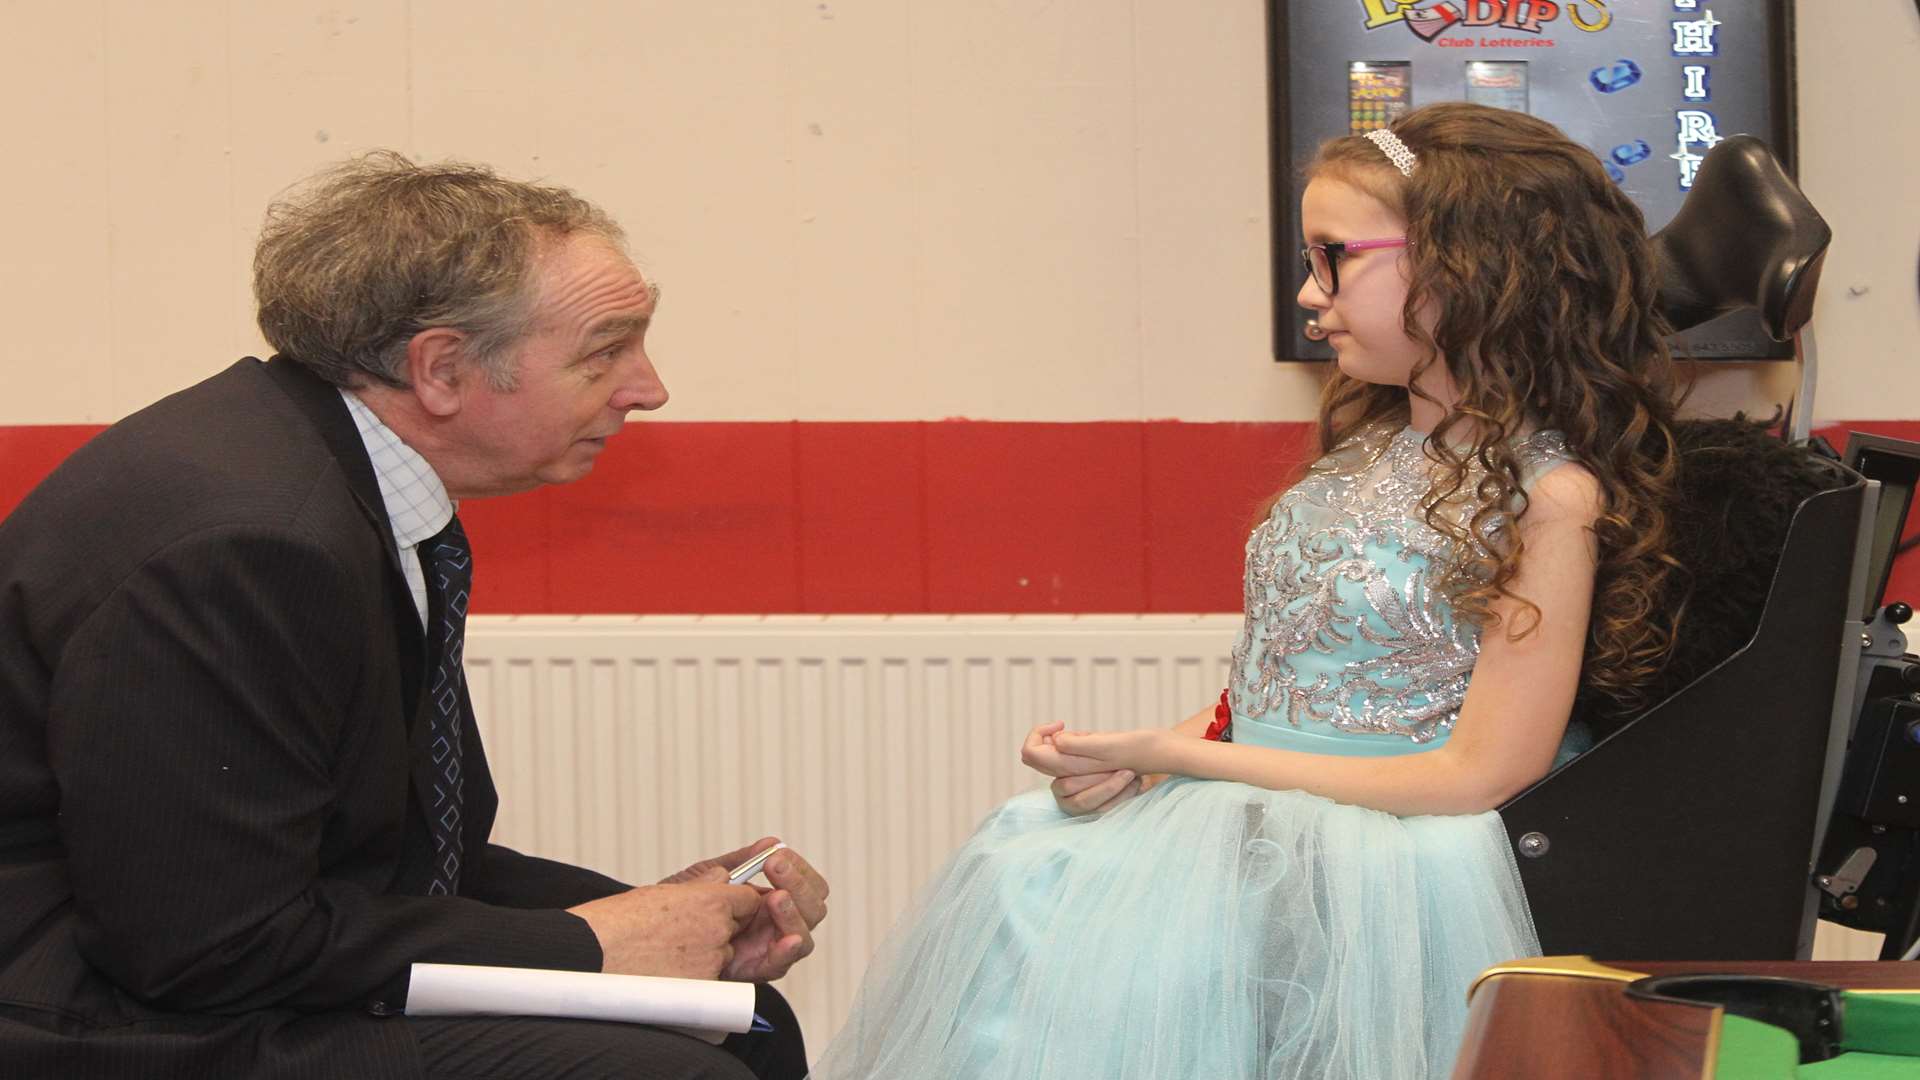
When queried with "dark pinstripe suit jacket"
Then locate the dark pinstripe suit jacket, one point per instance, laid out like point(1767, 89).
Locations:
point(213, 848)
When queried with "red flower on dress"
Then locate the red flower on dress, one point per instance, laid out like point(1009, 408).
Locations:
point(1221, 730)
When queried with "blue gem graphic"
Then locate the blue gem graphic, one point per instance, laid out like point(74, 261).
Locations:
point(1614, 172)
point(1632, 153)
point(1614, 77)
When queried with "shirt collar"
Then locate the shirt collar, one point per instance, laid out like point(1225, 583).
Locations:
point(418, 505)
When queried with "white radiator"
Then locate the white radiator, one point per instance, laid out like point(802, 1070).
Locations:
point(873, 744)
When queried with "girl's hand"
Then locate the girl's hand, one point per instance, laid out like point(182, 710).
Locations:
point(1144, 751)
point(1039, 753)
point(1096, 793)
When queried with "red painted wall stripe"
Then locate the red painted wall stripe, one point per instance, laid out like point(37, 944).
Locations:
point(835, 518)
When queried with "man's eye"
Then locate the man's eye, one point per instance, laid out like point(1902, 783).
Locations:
point(598, 364)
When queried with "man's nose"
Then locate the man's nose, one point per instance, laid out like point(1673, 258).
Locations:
point(643, 388)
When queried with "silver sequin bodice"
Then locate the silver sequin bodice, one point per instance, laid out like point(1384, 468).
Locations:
point(1347, 631)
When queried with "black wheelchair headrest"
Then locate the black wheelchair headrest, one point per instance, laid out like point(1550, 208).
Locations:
point(1744, 237)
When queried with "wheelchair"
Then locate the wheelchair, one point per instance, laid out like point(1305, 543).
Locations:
point(1777, 785)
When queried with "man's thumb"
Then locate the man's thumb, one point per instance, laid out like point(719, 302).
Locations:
point(745, 902)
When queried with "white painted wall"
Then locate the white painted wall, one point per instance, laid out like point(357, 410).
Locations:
point(861, 209)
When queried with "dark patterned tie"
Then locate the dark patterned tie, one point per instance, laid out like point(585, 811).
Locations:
point(449, 566)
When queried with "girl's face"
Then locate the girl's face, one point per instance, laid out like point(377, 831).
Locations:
point(1362, 319)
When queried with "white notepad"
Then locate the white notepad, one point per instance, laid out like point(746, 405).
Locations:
point(706, 1009)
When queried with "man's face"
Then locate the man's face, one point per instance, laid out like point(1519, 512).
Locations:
point(582, 366)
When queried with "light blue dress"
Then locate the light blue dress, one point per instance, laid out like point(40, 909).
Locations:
point(1213, 929)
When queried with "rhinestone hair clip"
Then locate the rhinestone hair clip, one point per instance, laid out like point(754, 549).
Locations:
point(1396, 151)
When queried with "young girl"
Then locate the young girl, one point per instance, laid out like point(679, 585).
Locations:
point(1309, 883)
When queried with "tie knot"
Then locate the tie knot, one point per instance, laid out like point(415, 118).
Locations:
point(449, 565)
point(450, 542)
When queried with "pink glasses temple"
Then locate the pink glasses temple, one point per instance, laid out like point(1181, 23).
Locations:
point(1369, 245)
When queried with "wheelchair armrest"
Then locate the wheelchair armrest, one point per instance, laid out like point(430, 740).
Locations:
point(1687, 833)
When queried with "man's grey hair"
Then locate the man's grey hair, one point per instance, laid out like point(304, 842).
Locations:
point(363, 256)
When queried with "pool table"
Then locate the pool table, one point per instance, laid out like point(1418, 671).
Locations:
point(1574, 1017)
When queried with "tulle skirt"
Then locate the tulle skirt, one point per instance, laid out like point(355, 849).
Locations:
point(1204, 929)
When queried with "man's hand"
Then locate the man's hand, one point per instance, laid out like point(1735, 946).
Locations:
point(780, 932)
point(685, 930)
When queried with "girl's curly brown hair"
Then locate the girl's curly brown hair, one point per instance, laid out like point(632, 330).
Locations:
point(1539, 271)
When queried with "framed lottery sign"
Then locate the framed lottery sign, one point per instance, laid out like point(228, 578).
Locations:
point(1649, 85)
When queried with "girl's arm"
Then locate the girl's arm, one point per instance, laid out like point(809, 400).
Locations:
point(1510, 724)
point(1098, 792)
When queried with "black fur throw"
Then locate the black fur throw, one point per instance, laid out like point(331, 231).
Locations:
point(1739, 486)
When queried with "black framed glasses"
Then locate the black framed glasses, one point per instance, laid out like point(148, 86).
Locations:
point(1323, 260)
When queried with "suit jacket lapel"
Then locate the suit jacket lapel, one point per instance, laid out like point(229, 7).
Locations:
point(319, 401)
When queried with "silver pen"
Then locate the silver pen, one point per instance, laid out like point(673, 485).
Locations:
point(745, 872)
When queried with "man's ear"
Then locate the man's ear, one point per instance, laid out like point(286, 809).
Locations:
point(435, 368)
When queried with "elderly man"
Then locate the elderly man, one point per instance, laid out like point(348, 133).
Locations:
point(241, 790)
